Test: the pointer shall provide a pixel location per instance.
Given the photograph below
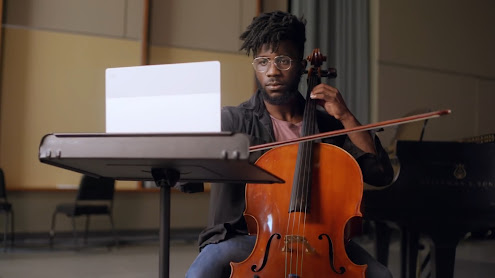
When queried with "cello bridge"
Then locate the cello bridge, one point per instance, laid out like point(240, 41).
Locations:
point(294, 243)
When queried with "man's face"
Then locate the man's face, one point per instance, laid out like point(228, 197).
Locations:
point(279, 86)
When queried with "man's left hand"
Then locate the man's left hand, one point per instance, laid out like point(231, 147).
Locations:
point(331, 99)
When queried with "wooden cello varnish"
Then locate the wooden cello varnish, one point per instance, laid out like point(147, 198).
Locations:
point(300, 224)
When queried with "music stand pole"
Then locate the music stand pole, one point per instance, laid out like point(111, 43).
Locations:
point(165, 179)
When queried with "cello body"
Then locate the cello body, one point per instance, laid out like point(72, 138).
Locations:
point(309, 242)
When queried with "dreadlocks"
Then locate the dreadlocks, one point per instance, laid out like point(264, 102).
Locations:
point(271, 28)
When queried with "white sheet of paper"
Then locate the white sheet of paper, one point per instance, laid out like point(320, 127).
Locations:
point(171, 98)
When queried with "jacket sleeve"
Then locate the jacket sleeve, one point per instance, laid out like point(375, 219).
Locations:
point(377, 169)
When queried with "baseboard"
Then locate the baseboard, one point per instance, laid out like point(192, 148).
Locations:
point(176, 234)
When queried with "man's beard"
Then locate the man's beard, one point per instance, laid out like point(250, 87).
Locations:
point(283, 98)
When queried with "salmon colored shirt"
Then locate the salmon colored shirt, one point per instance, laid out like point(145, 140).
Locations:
point(285, 130)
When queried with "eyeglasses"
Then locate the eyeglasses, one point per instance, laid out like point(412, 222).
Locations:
point(261, 64)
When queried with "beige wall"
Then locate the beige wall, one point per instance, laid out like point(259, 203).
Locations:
point(133, 210)
point(437, 55)
point(54, 63)
point(52, 82)
point(54, 57)
point(111, 18)
point(208, 25)
point(273, 5)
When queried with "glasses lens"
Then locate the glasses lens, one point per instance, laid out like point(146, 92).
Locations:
point(282, 62)
point(261, 64)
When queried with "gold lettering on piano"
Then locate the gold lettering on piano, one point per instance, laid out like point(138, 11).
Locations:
point(482, 184)
point(460, 171)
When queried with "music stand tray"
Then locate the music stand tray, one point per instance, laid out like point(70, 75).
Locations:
point(163, 158)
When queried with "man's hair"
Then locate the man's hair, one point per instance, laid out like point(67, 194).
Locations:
point(271, 28)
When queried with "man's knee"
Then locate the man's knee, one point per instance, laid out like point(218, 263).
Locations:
point(202, 271)
point(377, 270)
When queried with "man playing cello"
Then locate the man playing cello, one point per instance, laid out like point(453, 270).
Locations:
point(275, 113)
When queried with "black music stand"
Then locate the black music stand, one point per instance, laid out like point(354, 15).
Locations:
point(163, 158)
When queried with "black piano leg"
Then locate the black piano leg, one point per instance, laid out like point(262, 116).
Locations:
point(165, 179)
point(382, 241)
point(409, 253)
point(443, 253)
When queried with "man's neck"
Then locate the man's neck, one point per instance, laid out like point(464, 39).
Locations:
point(289, 112)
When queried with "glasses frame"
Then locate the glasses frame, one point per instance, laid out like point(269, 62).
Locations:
point(272, 61)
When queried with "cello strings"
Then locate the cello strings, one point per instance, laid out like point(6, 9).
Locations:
point(301, 171)
point(289, 231)
point(305, 184)
point(303, 179)
point(309, 151)
point(309, 115)
point(286, 243)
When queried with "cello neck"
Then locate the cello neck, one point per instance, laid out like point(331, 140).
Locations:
point(302, 180)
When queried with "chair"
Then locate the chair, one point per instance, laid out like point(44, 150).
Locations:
point(6, 208)
point(94, 197)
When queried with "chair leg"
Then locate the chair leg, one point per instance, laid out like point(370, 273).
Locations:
point(12, 231)
point(52, 229)
point(115, 236)
point(74, 233)
point(86, 230)
point(6, 225)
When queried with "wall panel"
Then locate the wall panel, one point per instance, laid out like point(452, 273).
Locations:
point(403, 90)
point(208, 25)
point(55, 55)
point(438, 55)
point(447, 35)
point(485, 103)
point(52, 82)
point(134, 19)
point(96, 17)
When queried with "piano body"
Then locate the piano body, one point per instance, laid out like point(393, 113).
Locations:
point(443, 191)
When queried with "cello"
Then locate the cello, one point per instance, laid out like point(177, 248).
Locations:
point(300, 224)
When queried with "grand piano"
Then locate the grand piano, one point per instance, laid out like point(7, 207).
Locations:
point(443, 191)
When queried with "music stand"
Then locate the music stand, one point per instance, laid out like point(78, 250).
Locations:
point(163, 158)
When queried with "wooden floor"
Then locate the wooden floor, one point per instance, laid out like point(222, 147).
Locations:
point(138, 257)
